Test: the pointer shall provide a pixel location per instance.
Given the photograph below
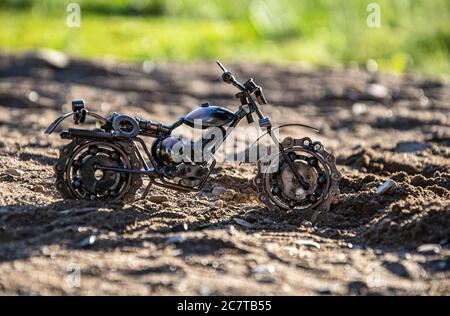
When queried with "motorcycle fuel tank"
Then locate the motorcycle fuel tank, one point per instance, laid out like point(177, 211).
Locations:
point(209, 116)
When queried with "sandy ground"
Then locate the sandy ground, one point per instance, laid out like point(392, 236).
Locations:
point(379, 127)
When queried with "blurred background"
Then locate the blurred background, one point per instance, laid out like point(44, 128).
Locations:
point(414, 35)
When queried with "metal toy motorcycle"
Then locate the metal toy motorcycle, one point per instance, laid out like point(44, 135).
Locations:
point(108, 163)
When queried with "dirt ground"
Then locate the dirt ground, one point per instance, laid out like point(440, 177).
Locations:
point(379, 126)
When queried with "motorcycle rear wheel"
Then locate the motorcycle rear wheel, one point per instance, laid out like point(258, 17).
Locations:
point(78, 178)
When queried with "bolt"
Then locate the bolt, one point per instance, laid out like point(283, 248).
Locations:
point(77, 163)
point(76, 183)
point(93, 150)
point(276, 190)
point(322, 179)
point(312, 161)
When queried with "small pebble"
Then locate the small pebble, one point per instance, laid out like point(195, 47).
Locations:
point(15, 172)
point(158, 199)
point(87, 242)
point(359, 108)
point(429, 249)
point(377, 91)
point(232, 230)
point(33, 96)
point(39, 188)
point(424, 101)
point(308, 243)
point(285, 287)
point(386, 186)
point(148, 66)
point(180, 227)
point(264, 269)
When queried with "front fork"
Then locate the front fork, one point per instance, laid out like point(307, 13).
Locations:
point(298, 176)
point(265, 122)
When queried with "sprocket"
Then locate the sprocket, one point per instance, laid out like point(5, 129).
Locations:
point(77, 177)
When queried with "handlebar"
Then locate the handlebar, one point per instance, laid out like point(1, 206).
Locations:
point(249, 86)
point(229, 78)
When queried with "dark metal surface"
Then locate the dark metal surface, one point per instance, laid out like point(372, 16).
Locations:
point(162, 149)
point(210, 116)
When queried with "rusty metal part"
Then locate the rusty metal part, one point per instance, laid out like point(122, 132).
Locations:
point(77, 176)
point(289, 185)
point(277, 187)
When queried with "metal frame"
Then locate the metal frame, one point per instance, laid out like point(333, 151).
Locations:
point(155, 172)
point(155, 175)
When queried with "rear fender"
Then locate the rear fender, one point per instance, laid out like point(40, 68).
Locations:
point(51, 128)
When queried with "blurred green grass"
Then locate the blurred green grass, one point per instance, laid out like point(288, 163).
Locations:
point(414, 35)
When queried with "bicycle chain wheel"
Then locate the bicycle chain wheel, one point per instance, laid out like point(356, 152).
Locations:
point(278, 188)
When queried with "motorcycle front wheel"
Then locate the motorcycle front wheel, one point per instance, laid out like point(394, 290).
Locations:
point(278, 188)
